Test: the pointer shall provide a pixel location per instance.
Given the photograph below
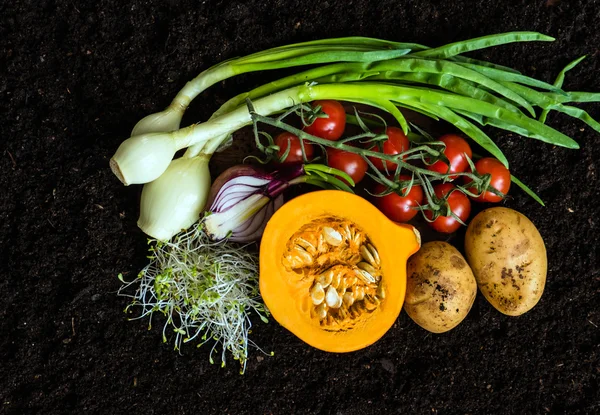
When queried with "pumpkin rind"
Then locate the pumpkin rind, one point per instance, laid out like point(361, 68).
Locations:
point(286, 295)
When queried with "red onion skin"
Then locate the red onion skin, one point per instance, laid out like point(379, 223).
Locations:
point(279, 177)
point(230, 173)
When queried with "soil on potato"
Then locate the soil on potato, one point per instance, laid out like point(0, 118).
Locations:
point(76, 76)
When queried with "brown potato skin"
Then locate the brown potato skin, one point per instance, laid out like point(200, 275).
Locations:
point(508, 257)
point(440, 289)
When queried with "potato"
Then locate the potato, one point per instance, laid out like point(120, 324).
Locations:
point(440, 289)
point(508, 257)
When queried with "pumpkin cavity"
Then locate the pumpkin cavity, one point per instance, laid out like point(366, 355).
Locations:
point(343, 268)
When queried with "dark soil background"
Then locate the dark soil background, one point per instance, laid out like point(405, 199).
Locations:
point(75, 77)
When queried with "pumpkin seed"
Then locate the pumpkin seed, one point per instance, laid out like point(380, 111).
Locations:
point(359, 293)
point(347, 232)
point(332, 298)
point(332, 237)
point(369, 268)
point(380, 292)
point(301, 256)
point(365, 276)
point(317, 294)
point(366, 255)
point(337, 278)
point(325, 278)
point(321, 311)
point(370, 306)
point(374, 253)
point(348, 299)
point(304, 244)
point(371, 299)
point(322, 246)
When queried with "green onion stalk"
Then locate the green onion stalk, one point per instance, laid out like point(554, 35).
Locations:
point(390, 76)
point(350, 49)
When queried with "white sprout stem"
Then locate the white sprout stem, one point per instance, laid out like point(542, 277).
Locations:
point(205, 290)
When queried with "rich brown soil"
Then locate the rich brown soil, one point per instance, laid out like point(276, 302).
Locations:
point(76, 76)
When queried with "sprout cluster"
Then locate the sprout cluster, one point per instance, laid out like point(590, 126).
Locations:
point(205, 289)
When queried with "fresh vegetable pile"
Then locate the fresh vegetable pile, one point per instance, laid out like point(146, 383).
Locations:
point(327, 271)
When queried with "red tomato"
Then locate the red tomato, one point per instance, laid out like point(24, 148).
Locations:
point(456, 148)
point(286, 139)
point(330, 128)
point(350, 163)
point(396, 143)
point(500, 179)
point(399, 208)
point(459, 205)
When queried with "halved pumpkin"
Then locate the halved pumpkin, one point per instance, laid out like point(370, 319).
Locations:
point(333, 269)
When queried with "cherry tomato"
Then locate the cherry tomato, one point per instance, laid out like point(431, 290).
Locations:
point(330, 128)
point(350, 163)
point(459, 205)
point(456, 148)
point(500, 179)
point(396, 143)
point(399, 208)
point(286, 139)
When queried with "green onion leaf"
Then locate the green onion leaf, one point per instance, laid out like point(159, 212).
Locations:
point(499, 75)
point(578, 113)
point(455, 69)
point(478, 62)
point(558, 82)
point(483, 42)
point(450, 83)
point(561, 75)
point(527, 190)
point(584, 97)
point(320, 57)
point(471, 130)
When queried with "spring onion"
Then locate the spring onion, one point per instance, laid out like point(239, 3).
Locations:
point(351, 49)
point(438, 82)
point(380, 93)
point(173, 202)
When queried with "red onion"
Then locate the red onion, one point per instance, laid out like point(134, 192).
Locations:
point(242, 200)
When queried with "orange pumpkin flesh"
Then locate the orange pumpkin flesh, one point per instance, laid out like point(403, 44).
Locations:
point(288, 285)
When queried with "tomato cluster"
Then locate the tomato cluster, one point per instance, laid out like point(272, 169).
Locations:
point(445, 208)
point(331, 128)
